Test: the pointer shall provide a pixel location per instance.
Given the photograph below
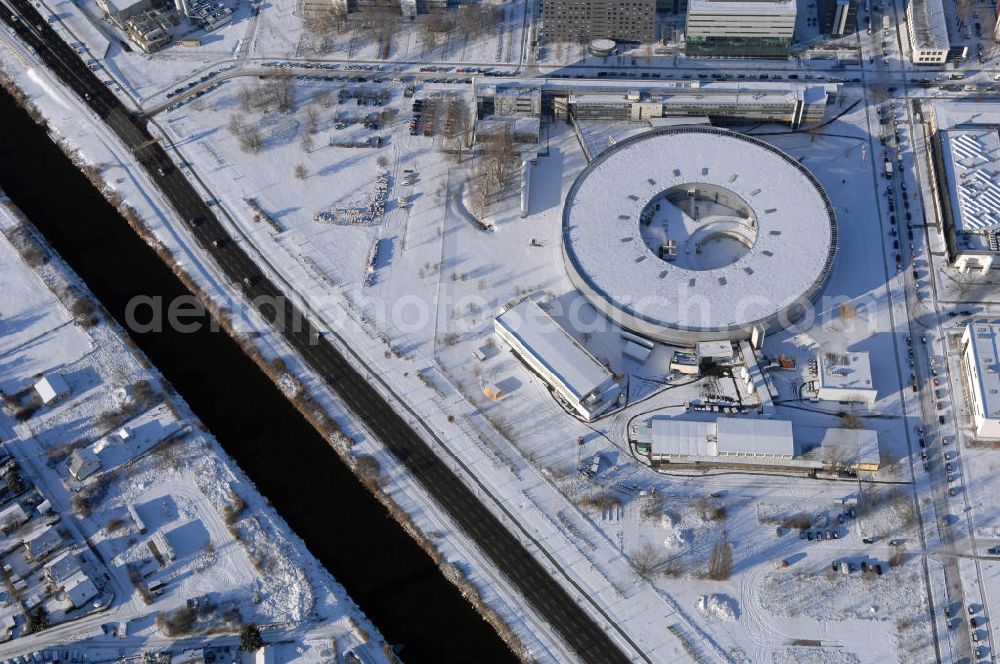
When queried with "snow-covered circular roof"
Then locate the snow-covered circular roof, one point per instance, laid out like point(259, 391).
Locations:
point(692, 190)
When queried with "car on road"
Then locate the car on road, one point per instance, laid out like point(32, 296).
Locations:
point(869, 540)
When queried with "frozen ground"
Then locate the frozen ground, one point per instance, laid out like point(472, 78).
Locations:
point(168, 483)
point(640, 542)
point(436, 256)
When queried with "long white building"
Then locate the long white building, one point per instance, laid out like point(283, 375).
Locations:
point(754, 443)
point(928, 31)
point(966, 180)
point(647, 101)
point(740, 28)
point(980, 352)
point(579, 380)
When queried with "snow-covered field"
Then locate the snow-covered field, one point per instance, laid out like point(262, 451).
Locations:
point(166, 486)
point(431, 305)
point(420, 316)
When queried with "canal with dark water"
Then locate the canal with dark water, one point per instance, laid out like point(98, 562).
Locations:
point(395, 583)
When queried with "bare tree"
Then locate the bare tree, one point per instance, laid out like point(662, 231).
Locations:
point(301, 172)
point(237, 125)
point(251, 140)
point(380, 24)
point(434, 29)
point(645, 559)
point(312, 119)
point(249, 137)
point(483, 192)
point(322, 24)
point(324, 98)
point(472, 21)
point(282, 91)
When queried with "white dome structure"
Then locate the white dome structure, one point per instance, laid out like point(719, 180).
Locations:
point(694, 233)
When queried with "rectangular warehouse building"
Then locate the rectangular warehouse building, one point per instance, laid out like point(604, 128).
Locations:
point(728, 440)
point(583, 20)
point(740, 28)
point(965, 149)
point(980, 352)
point(755, 443)
point(576, 377)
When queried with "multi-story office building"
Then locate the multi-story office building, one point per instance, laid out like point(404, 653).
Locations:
point(740, 28)
point(980, 352)
point(838, 17)
point(928, 29)
point(794, 103)
point(584, 20)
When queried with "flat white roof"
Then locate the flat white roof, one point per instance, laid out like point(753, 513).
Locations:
point(744, 89)
point(737, 435)
point(984, 346)
point(726, 435)
point(850, 370)
point(123, 5)
point(971, 158)
point(930, 27)
point(742, 7)
point(51, 387)
point(553, 347)
point(791, 257)
point(714, 349)
point(858, 446)
point(680, 437)
point(965, 114)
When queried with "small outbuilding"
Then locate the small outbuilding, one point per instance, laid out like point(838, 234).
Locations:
point(845, 377)
point(52, 389)
point(83, 463)
point(11, 517)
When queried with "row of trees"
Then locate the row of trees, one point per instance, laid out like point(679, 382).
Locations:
point(381, 23)
point(277, 94)
point(466, 22)
point(496, 170)
point(250, 138)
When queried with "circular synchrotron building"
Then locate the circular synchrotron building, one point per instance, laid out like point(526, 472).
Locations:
point(694, 233)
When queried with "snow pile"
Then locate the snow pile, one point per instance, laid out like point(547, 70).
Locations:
point(683, 526)
point(719, 606)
